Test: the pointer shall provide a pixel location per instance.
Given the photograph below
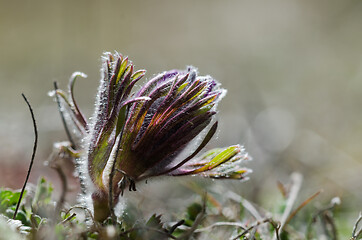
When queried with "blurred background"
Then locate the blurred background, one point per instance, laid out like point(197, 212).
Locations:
point(293, 70)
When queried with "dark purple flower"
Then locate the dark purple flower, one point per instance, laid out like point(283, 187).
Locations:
point(135, 136)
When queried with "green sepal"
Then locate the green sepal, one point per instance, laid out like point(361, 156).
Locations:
point(220, 158)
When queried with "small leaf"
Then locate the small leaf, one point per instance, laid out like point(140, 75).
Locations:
point(8, 199)
point(220, 158)
point(23, 218)
point(139, 74)
point(122, 69)
point(192, 211)
point(155, 222)
point(43, 192)
point(35, 220)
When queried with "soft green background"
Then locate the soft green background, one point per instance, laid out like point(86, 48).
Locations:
point(292, 69)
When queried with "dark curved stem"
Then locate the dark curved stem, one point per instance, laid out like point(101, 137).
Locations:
point(78, 114)
point(32, 156)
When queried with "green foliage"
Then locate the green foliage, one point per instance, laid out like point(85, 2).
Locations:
point(34, 209)
point(43, 193)
point(37, 219)
point(8, 201)
point(191, 213)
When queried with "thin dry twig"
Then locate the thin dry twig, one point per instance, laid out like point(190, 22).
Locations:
point(86, 210)
point(356, 234)
point(32, 156)
point(329, 225)
point(292, 215)
point(282, 189)
point(276, 226)
point(322, 214)
point(68, 219)
point(256, 224)
point(246, 204)
point(222, 224)
point(328, 208)
point(251, 209)
point(197, 221)
point(64, 182)
point(297, 180)
point(176, 225)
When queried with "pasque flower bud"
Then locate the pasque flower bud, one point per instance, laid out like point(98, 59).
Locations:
point(137, 135)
